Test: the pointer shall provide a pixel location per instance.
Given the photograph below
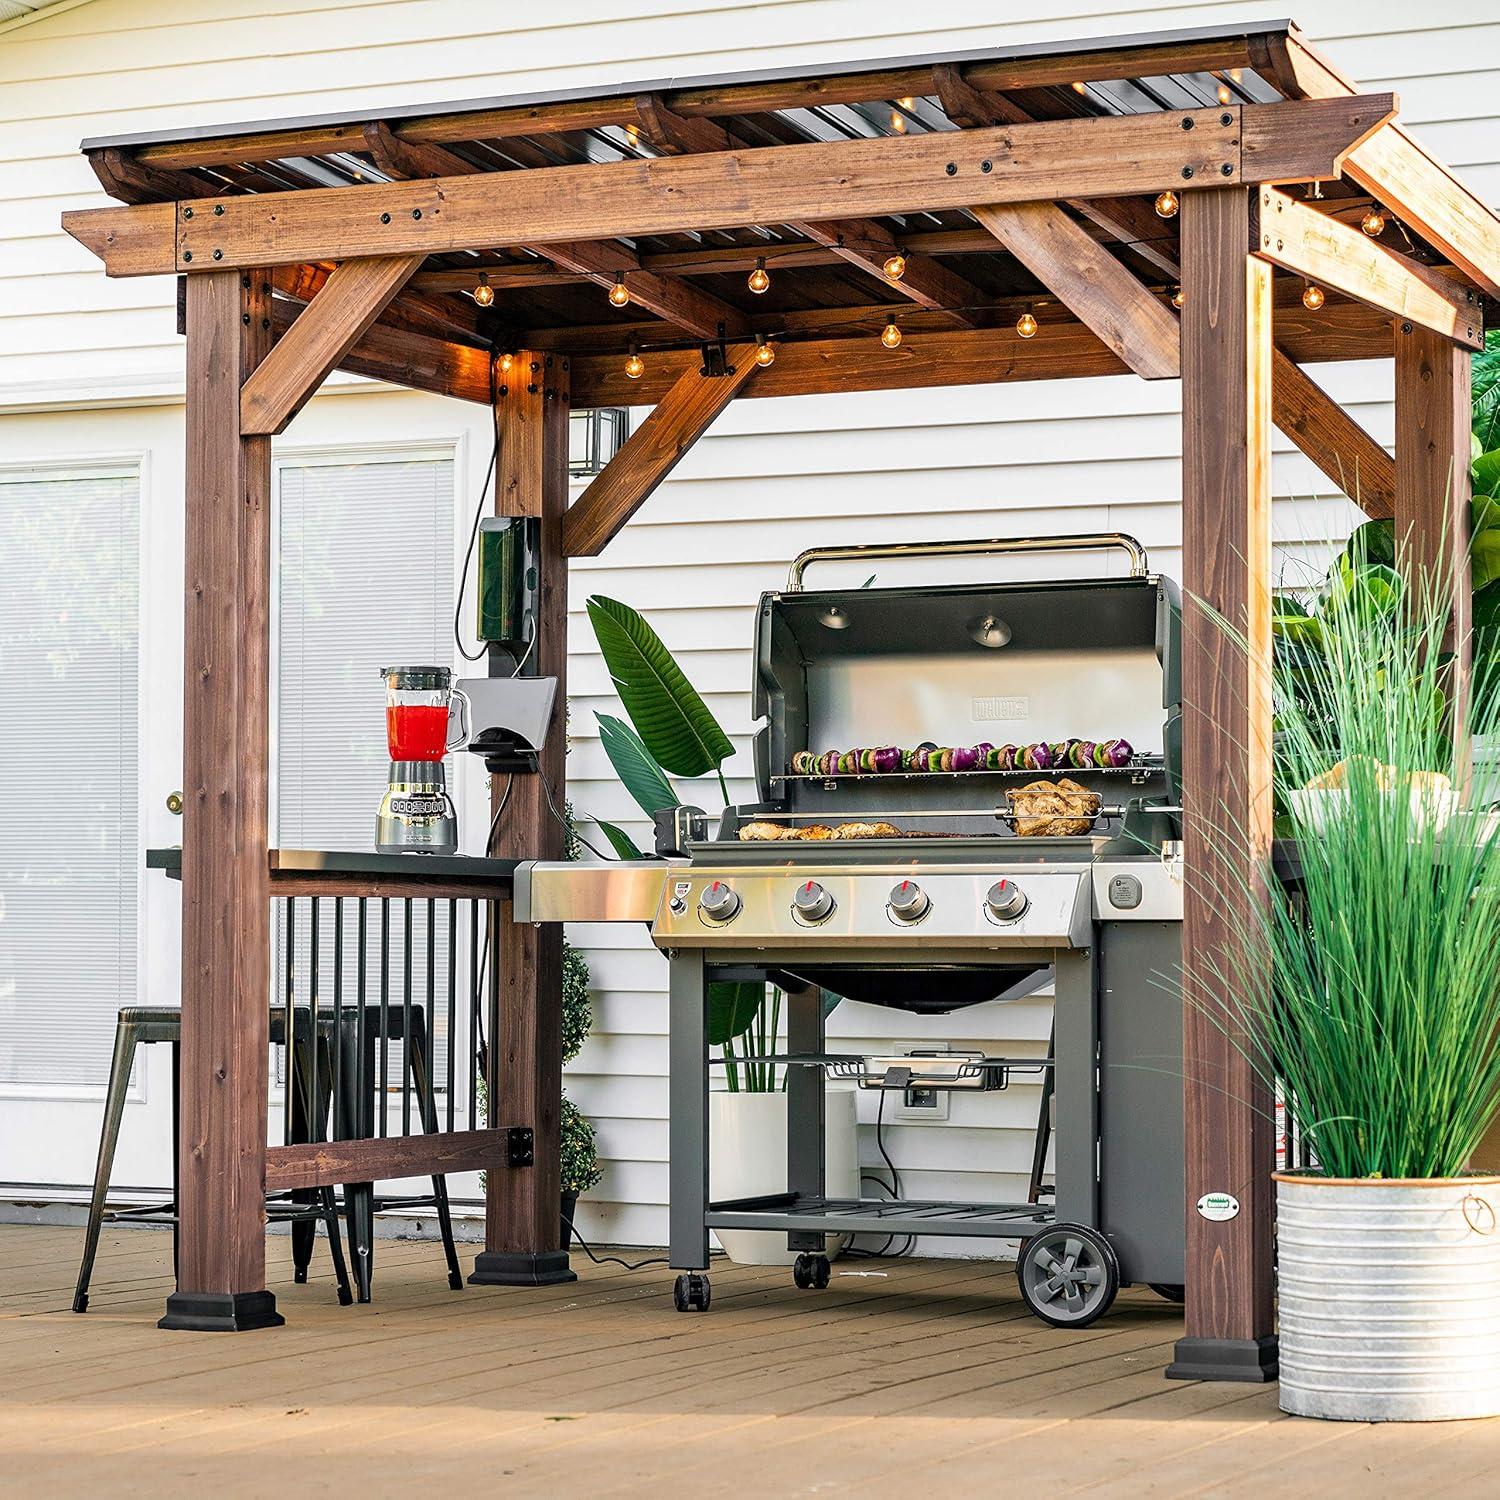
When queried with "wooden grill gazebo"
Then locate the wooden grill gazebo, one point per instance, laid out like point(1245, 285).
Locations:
point(1157, 204)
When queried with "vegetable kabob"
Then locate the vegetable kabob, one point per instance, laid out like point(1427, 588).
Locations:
point(1041, 756)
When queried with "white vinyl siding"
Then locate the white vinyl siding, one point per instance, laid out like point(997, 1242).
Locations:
point(770, 478)
point(69, 855)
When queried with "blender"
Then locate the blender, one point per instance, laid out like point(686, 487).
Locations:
point(416, 813)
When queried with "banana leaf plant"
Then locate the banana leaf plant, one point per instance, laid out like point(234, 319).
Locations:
point(672, 732)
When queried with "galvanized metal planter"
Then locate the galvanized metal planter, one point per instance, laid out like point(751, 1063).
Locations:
point(1389, 1297)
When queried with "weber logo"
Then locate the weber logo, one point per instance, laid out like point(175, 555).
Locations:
point(991, 710)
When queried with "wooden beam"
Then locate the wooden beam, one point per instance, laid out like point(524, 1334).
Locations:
point(330, 325)
point(328, 1163)
point(522, 1243)
point(1404, 176)
point(1131, 221)
point(226, 893)
point(1332, 439)
point(125, 178)
point(1333, 254)
point(1086, 278)
point(656, 447)
point(774, 184)
point(1432, 494)
point(1228, 1121)
point(864, 243)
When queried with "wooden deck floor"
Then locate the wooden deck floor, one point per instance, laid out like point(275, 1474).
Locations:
point(904, 1378)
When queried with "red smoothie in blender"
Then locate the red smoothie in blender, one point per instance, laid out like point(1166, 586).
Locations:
point(417, 731)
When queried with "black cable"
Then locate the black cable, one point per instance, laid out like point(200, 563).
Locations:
point(599, 1260)
point(562, 821)
point(463, 577)
point(489, 838)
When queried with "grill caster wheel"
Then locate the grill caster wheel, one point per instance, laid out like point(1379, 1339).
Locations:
point(1068, 1275)
point(690, 1292)
point(811, 1271)
point(1170, 1290)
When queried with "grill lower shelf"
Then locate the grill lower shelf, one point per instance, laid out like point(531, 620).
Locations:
point(795, 1211)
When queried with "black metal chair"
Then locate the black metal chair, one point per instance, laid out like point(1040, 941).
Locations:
point(143, 1025)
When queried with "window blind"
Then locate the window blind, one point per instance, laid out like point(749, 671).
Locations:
point(69, 856)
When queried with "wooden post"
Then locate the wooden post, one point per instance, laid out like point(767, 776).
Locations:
point(226, 893)
point(1432, 492)
point(523, 1205)
point(1226, 691)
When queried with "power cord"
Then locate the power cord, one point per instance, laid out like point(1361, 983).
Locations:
point(463, 577)
point(599, 1260)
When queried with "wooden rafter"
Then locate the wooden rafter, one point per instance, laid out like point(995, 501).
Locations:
point(125, 178)
point(1333, 254)
point(777, 184)
point(1332, 439)
point(327, 328)
point(1086, 278)
point(1401, 174)
point(864, 243)
point(600, 261)
point(651, 452)
point(1131, 221)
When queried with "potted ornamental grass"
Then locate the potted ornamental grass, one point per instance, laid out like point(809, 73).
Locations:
point(1379, 1021)
point(672, 733)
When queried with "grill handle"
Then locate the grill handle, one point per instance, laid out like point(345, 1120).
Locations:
point(1091, 541)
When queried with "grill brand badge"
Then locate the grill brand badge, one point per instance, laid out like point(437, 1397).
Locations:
point(1218, 1208)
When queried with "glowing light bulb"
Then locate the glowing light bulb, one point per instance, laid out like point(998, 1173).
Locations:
point(618, 295)
point(1179, 297)
point(1166, 204)
point(898, 123)
point(890, 335)
point(1312, 297)
point(1080, 87)
point(635, 366)
point(906, 103)
point(765, 354)
point(895, 266)
point(760, 278)
point(1373, 223)
point(506, 361)
point(1224, 94)
point(1026, 325)
point(484, 293)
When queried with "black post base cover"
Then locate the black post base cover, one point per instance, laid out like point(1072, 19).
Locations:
point(221, 1312)
point(498, 1268)
point(1250, 1360)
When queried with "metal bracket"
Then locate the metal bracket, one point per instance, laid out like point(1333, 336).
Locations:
point(716, 358)
point(520, 1148)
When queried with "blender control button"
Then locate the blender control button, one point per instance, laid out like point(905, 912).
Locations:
point(719, 902)
point(1005, 901)
point(908, 901)
point(813, 902)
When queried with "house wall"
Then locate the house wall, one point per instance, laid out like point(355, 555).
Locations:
point(91, 366)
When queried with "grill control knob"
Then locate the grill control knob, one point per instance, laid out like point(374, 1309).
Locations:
point(719, 902)
point(908, 901)
point(1006, 900)
point(813, 903)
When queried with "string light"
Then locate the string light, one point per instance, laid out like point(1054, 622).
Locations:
point(895, 266)
point(1373, 223)
point(1166, 204)
point(760, 278)
point(1080, 87)
point(1026, 325)
point(1224, 94)
point(506, 361)
point(484, 293)
point(765, 354)
point(1312, 297)
point(890, 335)
point(618, 295)
point(635, 366)
point(898, 122)
point(1179, 297)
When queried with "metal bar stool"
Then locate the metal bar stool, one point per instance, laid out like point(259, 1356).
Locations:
point(141, 1025)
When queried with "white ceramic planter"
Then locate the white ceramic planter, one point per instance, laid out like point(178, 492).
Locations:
point(747, 1155)
point(1389, 1297)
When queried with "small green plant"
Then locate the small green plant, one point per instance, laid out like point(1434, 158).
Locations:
point(580, 1154)
point(1379, 1005)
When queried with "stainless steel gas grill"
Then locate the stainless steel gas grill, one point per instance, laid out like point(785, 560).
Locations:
point(902, 881)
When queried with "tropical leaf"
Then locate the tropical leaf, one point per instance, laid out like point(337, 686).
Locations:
point(732, 1008)
point(673, 722)
point(1486, 472)
point(635, 766)
point(1374, 542)
point(1485, 393)
point(620, 841)
point(1304, 630)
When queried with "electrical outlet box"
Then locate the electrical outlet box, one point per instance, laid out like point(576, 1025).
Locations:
point(920, 1105)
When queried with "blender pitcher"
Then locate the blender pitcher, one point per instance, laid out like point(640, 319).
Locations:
point(416, 813)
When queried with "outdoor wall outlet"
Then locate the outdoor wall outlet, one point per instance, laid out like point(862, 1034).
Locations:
point(923, 1105)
